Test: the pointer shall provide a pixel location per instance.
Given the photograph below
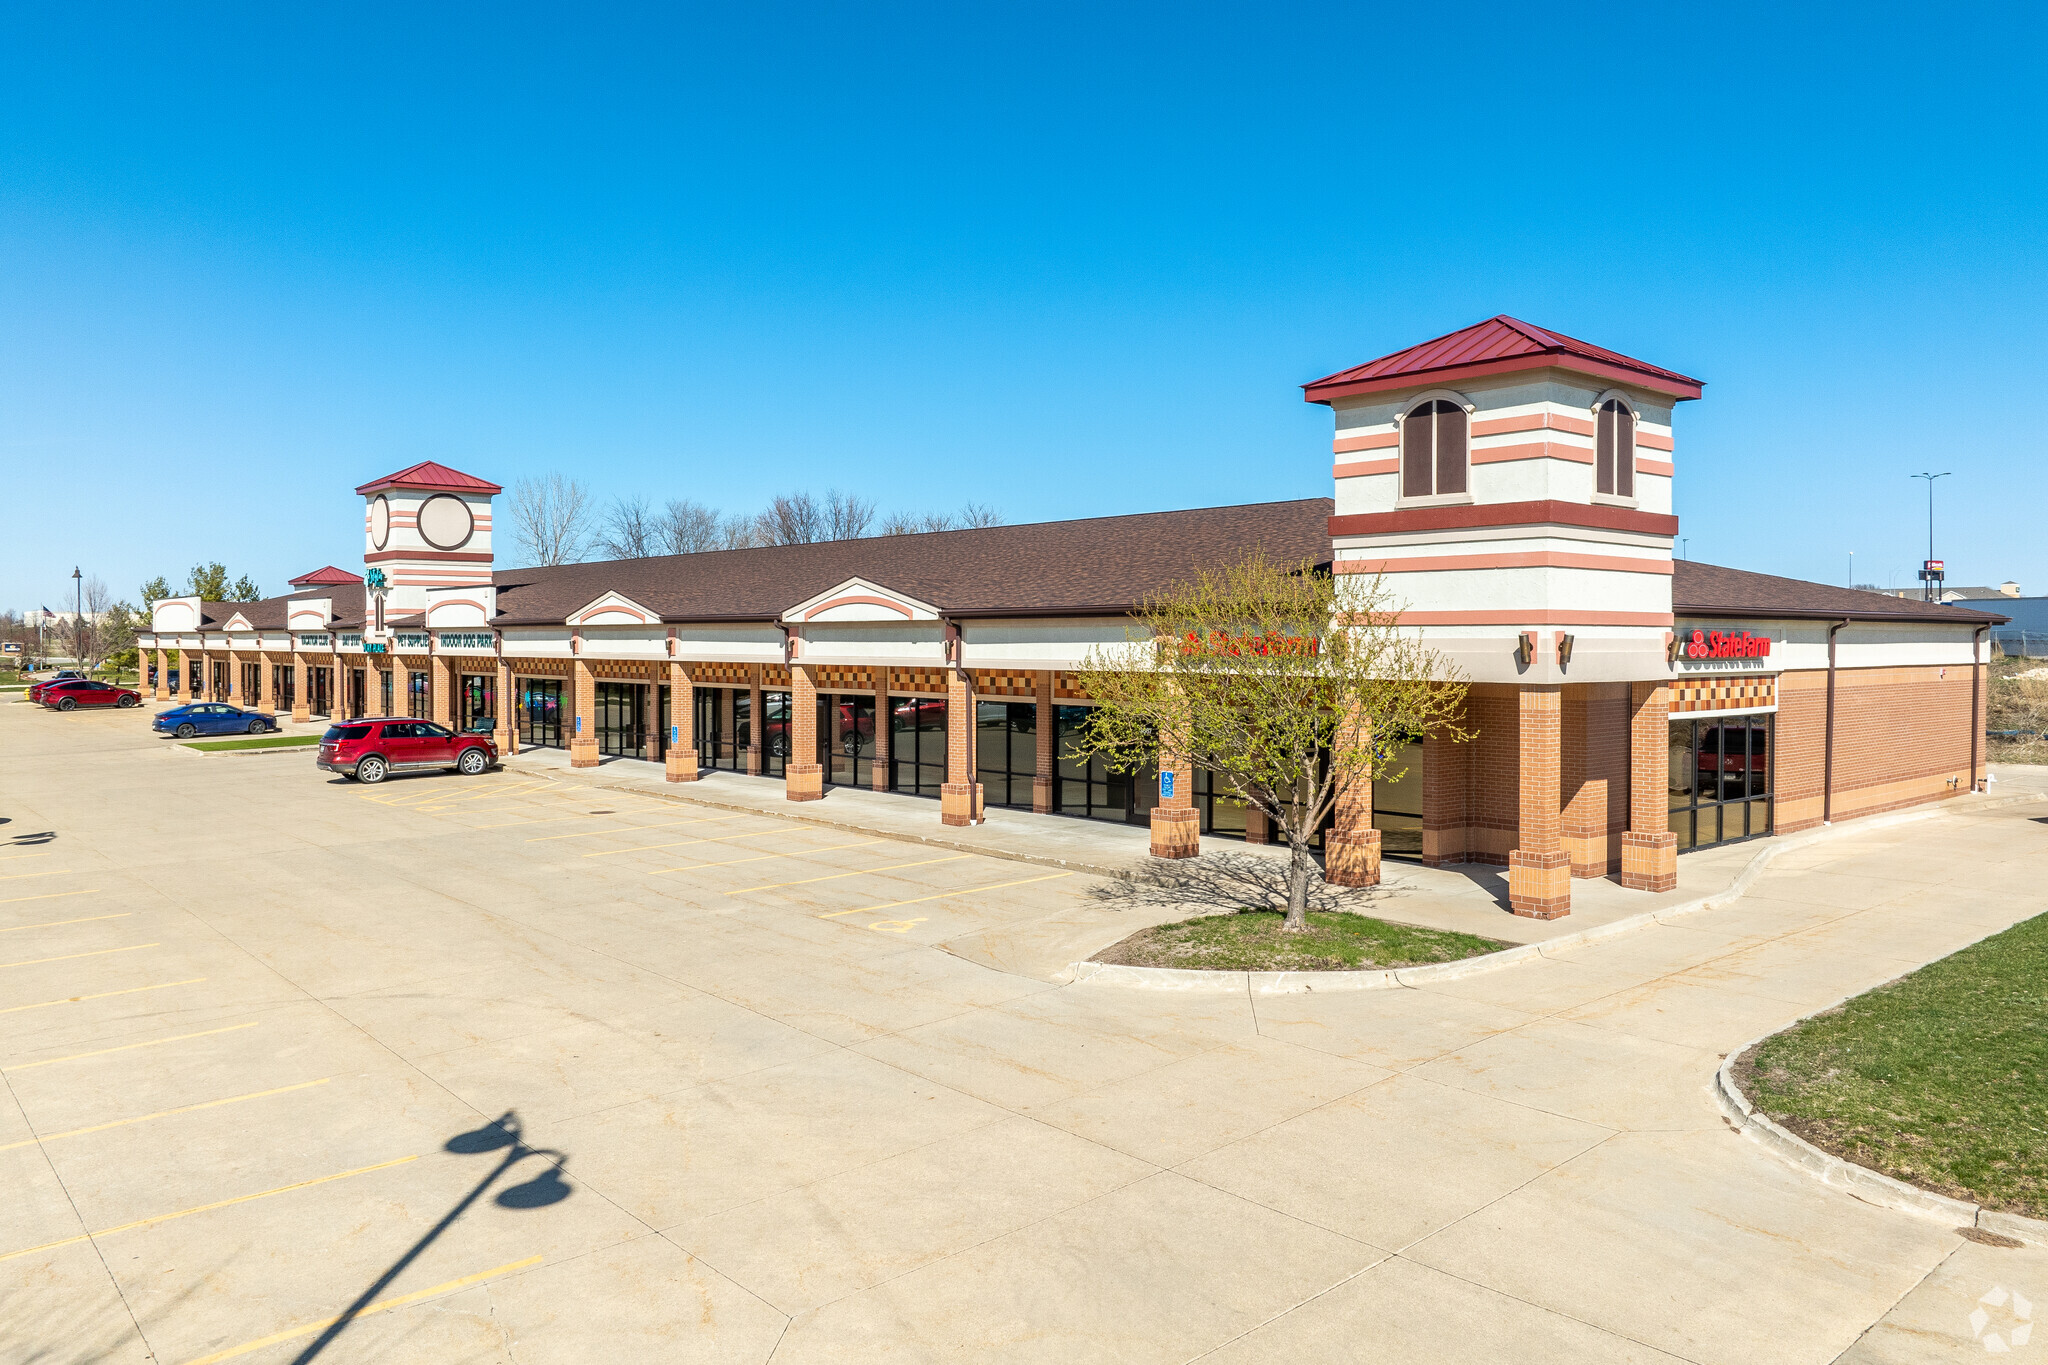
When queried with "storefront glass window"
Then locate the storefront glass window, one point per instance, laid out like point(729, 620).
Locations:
point(417, 704)
point(477, 695)
point(1397, 803)
point(917, 744)
point(540, 713)
point(621, 722)
point(1006, 751)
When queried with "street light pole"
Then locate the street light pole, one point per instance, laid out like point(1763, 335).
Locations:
point(77, 615)
point(1928, 591)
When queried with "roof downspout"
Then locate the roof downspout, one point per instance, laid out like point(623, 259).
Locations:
point(1827, 762)
point(1976, 701)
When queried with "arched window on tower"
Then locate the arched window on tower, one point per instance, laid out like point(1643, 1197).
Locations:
point(1614, 455)
point(1433, 450)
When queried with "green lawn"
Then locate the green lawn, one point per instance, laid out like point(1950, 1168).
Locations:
point(267, 742)
point(1251, 940)
point(1940, 1078)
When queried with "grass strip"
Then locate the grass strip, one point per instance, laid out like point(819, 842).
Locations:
point(1252, 941)
point(269, 742)
point(1939, 1078)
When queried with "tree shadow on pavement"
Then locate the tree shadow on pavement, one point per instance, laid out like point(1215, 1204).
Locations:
point(1224, 881)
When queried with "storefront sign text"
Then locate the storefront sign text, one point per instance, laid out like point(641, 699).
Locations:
point(461, 640)
point(1716, 644)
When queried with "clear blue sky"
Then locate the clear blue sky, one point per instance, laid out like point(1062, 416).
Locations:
point(1067, 260)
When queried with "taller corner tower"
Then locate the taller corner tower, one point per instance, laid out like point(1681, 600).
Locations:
point(1514, 486)
point(427, 527)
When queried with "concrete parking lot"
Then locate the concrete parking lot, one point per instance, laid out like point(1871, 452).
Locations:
point(268, 1037)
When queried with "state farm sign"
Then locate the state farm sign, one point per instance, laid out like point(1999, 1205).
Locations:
point(1719, 644)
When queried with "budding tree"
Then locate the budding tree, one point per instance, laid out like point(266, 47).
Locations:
point(1288, 684)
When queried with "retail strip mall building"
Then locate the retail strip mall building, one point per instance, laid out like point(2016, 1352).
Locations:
point(1514, 485)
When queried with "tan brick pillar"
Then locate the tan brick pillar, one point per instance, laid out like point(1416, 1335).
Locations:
point(1048, 722)
point(757, 727)
point(884, 734)
point(682, 719)
point(1351, 850)
point(582, 715)
point(1258, 826)
point(1649, 850)
point(161, 690)
point(960, 796)
point(506, 736)
point(803, 777)
point(1176, 824)
point(1539, 870)
point(441, 689)
point(300, 712)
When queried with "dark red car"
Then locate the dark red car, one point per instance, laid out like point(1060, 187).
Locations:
point(371, 749)
point(73, 693)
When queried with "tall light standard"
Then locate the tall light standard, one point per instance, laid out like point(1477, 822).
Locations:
point(77, 615)
point(1928, 567)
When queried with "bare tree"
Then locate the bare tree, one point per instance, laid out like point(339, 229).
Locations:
point(847, 515)
point(630, 530)
point(739, 532)
point(685, 527)
point(551, 519)
point(972, 516)
point(793, 519)
point(98, 628)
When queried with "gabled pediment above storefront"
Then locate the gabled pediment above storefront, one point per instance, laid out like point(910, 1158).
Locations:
point(858, 599)
point(237, 621)
point(614, 609)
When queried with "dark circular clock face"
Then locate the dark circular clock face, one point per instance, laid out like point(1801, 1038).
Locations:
point(446, 522)
point(380, 521)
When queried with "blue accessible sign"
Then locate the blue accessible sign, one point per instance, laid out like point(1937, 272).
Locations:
point(1166, 786)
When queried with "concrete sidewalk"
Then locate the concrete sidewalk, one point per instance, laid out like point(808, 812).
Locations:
point(1470, 897)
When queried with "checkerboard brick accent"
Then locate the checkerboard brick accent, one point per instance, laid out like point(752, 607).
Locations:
point(921, 680)
point(1722, 694)
point(844, 679)
point(991, 682)
point(1066, 687)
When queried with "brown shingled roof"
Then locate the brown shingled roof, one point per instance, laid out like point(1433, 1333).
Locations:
point(1095, 566)
point(1710, 590)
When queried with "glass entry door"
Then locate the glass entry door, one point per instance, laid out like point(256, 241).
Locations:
point(320, 691)
point(621, 719)
point(358, 693)
point(917, 744)
point(540, 713)
point(848, 728)
point(1720, 779)
point(1397, 804)
point(477, 698)
point(283, 678)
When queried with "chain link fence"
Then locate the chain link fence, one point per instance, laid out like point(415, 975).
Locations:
point(2021, 644)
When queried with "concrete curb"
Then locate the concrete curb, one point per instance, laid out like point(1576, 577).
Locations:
point(1860, 1181)
point(248, 753)
point(1301, 983)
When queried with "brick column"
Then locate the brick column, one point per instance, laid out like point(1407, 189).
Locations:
point(441, 690)
point(1539, 870)
point(1649, 850)
point(507, 733)
point(803, 777)
point(960, 796)
point(878, 775)
point(1176, 824)
point(1351, 850)
point(300, 713)
point(757, 727)
point(234, 679)
point(161, 689)
point(1048, 744)
point(262, 678)
point(583, 715)
point(682, 718)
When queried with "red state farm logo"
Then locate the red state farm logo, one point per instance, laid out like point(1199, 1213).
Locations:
point(1715, 644)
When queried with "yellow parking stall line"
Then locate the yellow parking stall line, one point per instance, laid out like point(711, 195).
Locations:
point(49, 896)
point(24, 876)
point(379, 1306)
point(206, 1208)
point(12, 856)
point(765, 857)
point(806, 881)
point(944, 895)
point(628, 829)
point(53, 923)
point(163, 1114)
point(69, 957)
point(127, 1047)
point(101, 995)
point(685, 843)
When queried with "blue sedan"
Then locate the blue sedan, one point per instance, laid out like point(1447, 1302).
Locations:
point(211, 718)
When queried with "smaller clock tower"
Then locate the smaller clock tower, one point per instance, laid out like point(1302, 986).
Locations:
point(424, 527)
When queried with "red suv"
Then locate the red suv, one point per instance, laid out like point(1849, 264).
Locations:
point(71, 693)
point(371, 749)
